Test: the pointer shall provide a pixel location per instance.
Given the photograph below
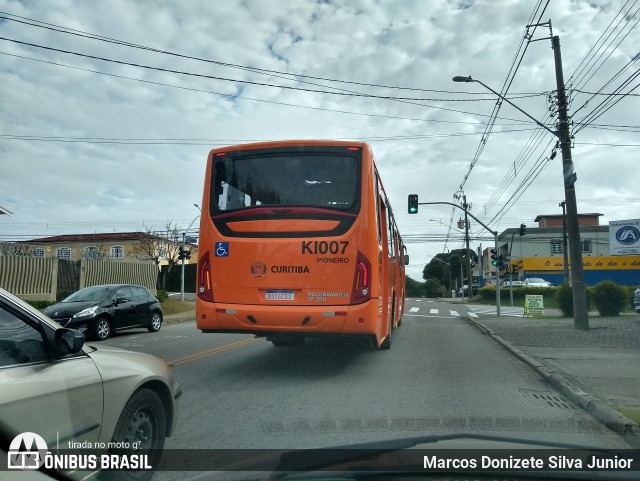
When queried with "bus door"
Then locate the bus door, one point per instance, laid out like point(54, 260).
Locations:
point(385, 287)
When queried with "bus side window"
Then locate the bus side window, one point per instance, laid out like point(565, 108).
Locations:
point(220, 183)
point(392, 252)
point(383, 220)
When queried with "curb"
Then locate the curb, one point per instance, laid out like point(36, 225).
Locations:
point(180, 317)
point(598, 409)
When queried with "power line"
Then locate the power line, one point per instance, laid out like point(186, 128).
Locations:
point(227, 79)
point(232, 96)
point(223, 142)
point(579, 71)
point(607, 103)
point(89, 35)
point(540, 166)
point(503, 93)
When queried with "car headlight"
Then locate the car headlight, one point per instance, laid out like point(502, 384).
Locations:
point(89, 311)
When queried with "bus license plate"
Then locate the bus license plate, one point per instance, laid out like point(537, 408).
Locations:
point(279, 295)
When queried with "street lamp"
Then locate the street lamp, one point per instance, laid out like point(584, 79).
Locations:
point(580, 312)
point(459, 78)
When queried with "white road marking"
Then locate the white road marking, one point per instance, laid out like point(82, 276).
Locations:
point(454, 313)
point(414, 309)
point(433, 311)
point(472, 314)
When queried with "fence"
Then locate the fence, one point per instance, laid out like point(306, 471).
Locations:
point(47, 279)
point(170, 280)
point(30, 278)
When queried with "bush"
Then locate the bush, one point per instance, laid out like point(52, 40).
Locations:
point(564, 298)
point(610, 298)
point(40, 305)
point(162, 295)
point(489, 293)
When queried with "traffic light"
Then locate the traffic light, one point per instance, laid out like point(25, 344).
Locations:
point(413, 203)
point(181, 253)
point(501, 264)
point(494, 257)
point(187, 254)
point(522, 229)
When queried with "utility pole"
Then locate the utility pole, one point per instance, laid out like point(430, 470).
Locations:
point(480, 267)
point(465, 206)
point(565, 249)
point(580, 311)
point(495, 241)
point(511, 269)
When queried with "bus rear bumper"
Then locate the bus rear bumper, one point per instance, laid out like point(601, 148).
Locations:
point(264, 319)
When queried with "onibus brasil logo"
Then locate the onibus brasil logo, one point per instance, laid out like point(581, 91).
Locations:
point(27, 451)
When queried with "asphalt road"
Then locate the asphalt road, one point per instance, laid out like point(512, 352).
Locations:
point(440, 376)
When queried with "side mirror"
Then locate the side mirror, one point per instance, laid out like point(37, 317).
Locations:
point(406, 260)
point(68, 341)
point(121, 300)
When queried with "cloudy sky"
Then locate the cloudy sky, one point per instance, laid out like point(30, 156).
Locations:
point(109, 108)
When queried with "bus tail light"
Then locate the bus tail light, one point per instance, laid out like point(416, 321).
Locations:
point(205, 290)
point(362, 280)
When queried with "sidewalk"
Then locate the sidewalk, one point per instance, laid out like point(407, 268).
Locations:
point(182, 316)
point(597, 369)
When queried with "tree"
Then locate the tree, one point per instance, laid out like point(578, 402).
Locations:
point(445, 268)
point(414, 288)
point(160, 245)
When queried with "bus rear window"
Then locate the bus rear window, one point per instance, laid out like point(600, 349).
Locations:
point(286, 179)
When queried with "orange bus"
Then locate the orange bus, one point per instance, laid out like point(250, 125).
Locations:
point(297, 238)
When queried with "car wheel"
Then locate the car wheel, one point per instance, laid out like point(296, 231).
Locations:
point(103, 329)
point(142, 424)
point(155, 323)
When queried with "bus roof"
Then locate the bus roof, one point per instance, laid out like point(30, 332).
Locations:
point(291, 143)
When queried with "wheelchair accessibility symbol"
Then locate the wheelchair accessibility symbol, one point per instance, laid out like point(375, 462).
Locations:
point(222, 249)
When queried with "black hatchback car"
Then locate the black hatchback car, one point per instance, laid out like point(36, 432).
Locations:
point(98, 311)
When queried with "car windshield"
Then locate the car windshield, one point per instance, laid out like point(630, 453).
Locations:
point(336, 222)
point(88, 294)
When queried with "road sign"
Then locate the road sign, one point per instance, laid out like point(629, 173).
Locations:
point(534, 305)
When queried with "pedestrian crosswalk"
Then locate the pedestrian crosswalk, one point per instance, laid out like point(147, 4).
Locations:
point(474, 311)
point(437, 312)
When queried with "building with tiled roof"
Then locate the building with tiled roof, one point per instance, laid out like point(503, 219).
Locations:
point(131, 246)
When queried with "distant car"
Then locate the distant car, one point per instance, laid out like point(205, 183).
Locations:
point(55, 386)
point(464, 290)
point(536, 282)
point(512, 284)
point(98, 311)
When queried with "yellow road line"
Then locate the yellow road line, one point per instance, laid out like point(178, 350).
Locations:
point(211, 352)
